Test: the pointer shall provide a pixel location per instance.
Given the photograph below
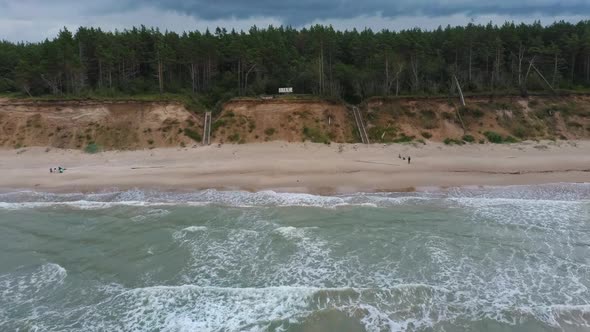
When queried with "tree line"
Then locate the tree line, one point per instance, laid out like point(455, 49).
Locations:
point(320, 60)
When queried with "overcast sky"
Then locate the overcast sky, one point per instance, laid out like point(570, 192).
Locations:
point(35, 20)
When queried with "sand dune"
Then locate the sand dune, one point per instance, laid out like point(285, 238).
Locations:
point(299, 167)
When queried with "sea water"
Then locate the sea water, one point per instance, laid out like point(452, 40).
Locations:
point(491, 259)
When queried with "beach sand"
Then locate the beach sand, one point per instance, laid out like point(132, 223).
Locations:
point(298, 167)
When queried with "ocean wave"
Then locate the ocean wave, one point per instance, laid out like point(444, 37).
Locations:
point(574, 193)
point(405, 307)
point(208, 308)
point(29, 285)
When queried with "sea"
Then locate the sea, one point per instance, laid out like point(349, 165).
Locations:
point(513, 258)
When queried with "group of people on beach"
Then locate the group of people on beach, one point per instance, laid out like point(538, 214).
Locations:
point(58, 169)
point(404, 158)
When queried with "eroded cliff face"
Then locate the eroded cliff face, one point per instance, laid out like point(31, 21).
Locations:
point(110, 125)
point(391, 120)
point(256, 120)
point(128, 125)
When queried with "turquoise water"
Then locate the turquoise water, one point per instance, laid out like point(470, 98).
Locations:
point(495, 259)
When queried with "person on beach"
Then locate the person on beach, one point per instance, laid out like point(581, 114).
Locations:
point(409, 159)
point(50, 170)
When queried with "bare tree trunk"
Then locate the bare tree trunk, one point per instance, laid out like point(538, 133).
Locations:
point(197, 82)
point(521, 51)
point(248, 73)
point(331, 82)
point(492, 79)
point(321, 69)
point(462, 103)
point(203, 76)
point(239, 77)
point(487, 65)
point(27, 90)
point(54, 85)
point(497, 64)
point(193, 77)
point(414, 65)
point(554, 70)
point(460, 91)
point(523, 87)
point(470, 60)
point(386, 85)
point(100, 74)
point(160, 76)
point(543, 77)
point(396, 79)
point(208, 72)
point(81, 72)
point(573, 68)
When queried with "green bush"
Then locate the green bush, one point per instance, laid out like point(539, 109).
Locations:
point(493, 137)
point(217, 124)
point(510, 139)
point(251, 125)
point(92, 148)
point(448, 116)
point(315, 135)
point(234, 138)
point(426, 135)
point(428, 119)
point(471, 111)
point(496, 138)
point(452, 141)
point(468, 138)
point(521, 132)
point(195, 136)
point(269, 131)
point(381, 134)
point(403, 138)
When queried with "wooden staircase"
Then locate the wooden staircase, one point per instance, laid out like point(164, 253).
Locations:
point(360, 125)
point(207, 129)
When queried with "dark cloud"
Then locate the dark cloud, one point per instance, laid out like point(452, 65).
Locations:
point(35, 20)
point(297, 12)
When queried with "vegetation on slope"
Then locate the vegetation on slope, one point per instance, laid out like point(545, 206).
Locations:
point(496, 120)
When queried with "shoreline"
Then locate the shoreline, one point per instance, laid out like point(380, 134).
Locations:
point(297, 167)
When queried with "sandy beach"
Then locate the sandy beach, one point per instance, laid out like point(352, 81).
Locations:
point(297, 167)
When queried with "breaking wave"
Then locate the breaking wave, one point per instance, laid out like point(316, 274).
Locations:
point(493, 259)
point(143, 198)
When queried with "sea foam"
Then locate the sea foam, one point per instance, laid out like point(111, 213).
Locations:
point(147, 198)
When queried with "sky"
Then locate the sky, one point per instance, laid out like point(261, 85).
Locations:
point(35, 20)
